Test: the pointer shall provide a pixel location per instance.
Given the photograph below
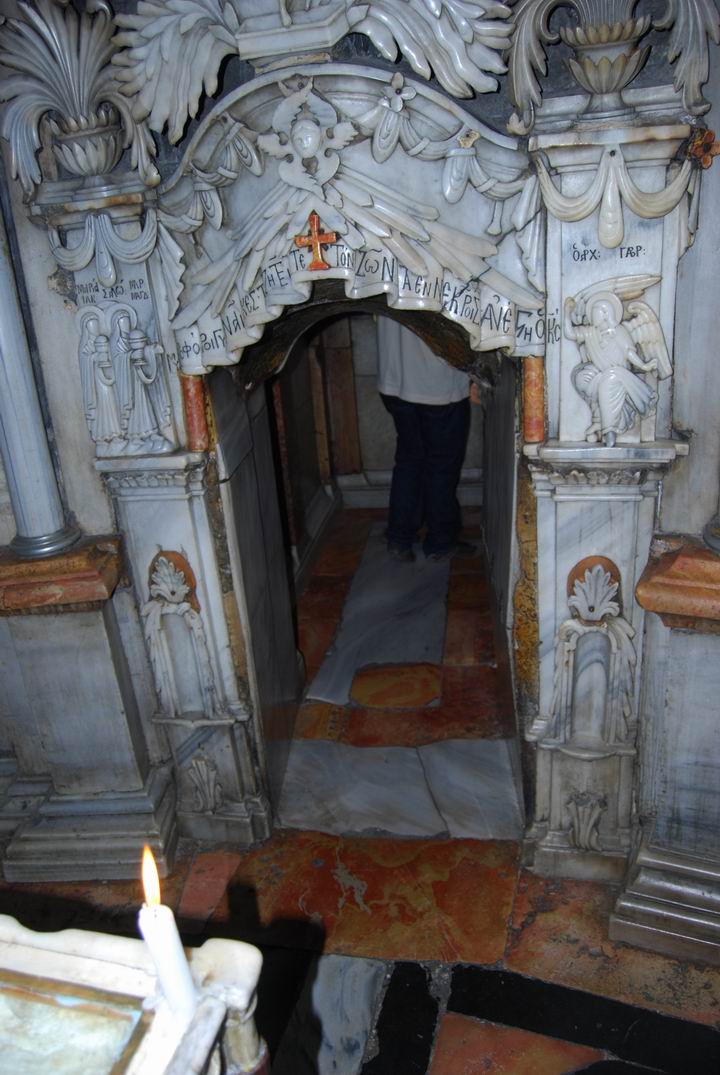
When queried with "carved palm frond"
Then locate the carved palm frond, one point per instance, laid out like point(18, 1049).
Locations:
point(61, 65)
point(460, 41)
point(168, 583)
point(692, 22)
point(172, 53)
point(592, 596)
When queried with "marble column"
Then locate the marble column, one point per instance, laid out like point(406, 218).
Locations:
point(42, 529)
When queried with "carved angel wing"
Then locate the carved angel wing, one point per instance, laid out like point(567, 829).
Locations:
point(625, 287)
point(648, 336)
point(342, 134)
point(172, 51)
point(366, 215)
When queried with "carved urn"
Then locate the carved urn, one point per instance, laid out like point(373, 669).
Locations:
point(606, 54)
point(88, 145)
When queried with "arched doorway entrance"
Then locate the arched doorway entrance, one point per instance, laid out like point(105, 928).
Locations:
point(283, 576)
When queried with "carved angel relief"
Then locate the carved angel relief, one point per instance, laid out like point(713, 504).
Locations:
point(125, 392)
point(619, 337)
point(373, 223)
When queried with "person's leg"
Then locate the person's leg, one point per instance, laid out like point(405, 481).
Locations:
point(445, 432)
point(406, 491)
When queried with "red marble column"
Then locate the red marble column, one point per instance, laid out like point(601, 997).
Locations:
point(196, 427)
point(533, 399)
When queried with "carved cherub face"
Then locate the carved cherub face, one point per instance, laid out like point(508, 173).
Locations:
point(306, 138)
point(602, 315)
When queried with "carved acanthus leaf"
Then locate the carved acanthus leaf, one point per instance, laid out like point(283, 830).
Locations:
point(459, 41)
point(692, 22)
point(172, 53)
point(61, 65)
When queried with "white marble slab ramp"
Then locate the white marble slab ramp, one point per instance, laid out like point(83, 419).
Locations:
point(331, 1023)
point(394, 614)
point(462, 788)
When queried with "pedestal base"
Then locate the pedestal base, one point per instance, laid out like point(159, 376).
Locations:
point(96, 837)
point(578, 865)
point(671, 904)
point(241, 824)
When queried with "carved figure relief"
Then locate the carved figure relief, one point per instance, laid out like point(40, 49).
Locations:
point(125, 393)
point(618, 337)
point(181, 663)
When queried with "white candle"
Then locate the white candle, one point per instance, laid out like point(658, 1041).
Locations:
point(160, 933)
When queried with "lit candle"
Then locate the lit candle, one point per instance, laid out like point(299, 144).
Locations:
point(160, 933)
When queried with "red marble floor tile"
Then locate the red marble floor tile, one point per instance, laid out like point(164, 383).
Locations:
point(396, 686)
point(314, 638)
point(354, 526)
point(468, 590)
point(469, 637)
point(320, 720)
point(324, 597)
point(470, 565)
point(560, 934)
point(416, 727)
point(390, 899)
point(466, 1046)
point(470, 690)
point(338, 558)
point(205, 886)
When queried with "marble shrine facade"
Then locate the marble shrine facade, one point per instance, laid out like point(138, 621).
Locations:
point(529, 186)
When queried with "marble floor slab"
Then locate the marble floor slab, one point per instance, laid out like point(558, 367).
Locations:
point(473, 786)
point(394, 614)
point(331, 1023)
point(461, 788)
point(334, 788)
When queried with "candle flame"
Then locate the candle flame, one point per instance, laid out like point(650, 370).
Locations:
point(150, 878)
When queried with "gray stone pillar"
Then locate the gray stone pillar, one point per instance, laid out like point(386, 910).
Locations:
point(42, 529)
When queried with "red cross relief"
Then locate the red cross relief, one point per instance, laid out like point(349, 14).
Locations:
point(316, 239)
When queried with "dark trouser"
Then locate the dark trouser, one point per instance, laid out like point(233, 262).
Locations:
point(431, 442)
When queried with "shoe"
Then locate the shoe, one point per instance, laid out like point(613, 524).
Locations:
point(460, 548)
point(402, 553)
